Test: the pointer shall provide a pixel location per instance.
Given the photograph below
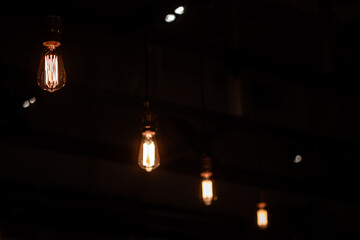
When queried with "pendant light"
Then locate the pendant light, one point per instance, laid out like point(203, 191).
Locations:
point(207, 189)
point(51, 73)
point(149, 157)
point(261, 212)
point(208, 195)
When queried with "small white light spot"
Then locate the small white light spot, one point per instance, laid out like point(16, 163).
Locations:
point(180, 10)
point(26, 104)
point(32, 100)
point(297, 159)
point(170, 18)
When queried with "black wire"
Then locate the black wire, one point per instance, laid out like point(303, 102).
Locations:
point(201, 58)
point(146, 53)
point(201, 64)
point(202, 79)
point(258, 152)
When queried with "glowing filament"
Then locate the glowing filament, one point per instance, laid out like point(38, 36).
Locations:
point(262, 218)
point(51, 71)
point(207, 191)
point(149, 154)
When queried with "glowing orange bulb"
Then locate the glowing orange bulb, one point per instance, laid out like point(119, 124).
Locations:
point(207, 189)
point(262, 215)
point(51, 73)
point(148, 156)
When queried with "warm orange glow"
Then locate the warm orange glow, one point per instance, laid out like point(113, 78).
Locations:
point(148, 155)
point(262, 216)
point(51, 71)
point(207, 191)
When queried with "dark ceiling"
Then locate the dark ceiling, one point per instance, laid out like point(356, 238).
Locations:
point(251, 83)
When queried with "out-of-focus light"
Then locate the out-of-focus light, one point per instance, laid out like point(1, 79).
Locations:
point(207, 188)
point(180, 10)
point(207, 191)
point(32, 100)
point(170, 18)
point(26, 104)
point(262, 215)
point(297, 159)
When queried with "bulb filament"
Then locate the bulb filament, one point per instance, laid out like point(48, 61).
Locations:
point(51, 71)
point(262, 216)
point(207, 191)
point(149, 154)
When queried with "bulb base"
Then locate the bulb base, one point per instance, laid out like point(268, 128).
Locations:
point(206, 164)
point(261, 205)
point(51, 44)
point(53, 26)
point(148, 118)
point(206, 174)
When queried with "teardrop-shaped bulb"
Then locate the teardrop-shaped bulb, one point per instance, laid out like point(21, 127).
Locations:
point(207, 189)
point(149, 154)
point(51, 74)
point(262, 215)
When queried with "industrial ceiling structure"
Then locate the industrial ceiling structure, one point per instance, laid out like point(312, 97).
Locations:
point(252, 84)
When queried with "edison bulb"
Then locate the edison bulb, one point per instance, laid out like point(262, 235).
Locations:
point(207, 189)
point(149, 155)
point(262, 215)
point(51, 74)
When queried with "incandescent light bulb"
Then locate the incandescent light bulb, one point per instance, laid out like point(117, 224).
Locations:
point(149, 155)
point(262, 215)
point(51, 74)
point(207, 189)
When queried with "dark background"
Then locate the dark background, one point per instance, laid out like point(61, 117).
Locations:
point(252, 83)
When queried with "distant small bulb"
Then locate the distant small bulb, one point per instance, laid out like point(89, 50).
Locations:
point(32, 100)
point(26, 104)
point(297, 159)
point(180, 10)
point(262, 215)
point(170, 18)
point(207, 191)
point(208, 195)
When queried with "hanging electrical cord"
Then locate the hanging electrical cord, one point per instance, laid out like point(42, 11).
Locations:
point(146, 54)
point(207, 194)
point(201, 78)
point(148, 158)
point(261, 212)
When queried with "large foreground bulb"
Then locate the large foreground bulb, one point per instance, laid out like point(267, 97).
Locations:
point(51, 74)
point(207, 188)
point(149, 155)
point(262, 215)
